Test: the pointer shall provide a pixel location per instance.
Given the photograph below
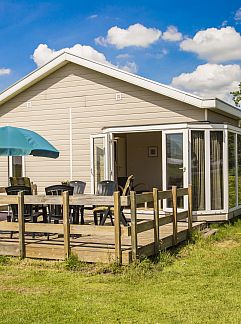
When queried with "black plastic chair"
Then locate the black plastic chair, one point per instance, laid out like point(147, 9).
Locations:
point(55, 212)
point(29, 213)
point(79, 188)
point(104, 188)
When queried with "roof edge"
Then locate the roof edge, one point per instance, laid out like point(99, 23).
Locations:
point(110, 70)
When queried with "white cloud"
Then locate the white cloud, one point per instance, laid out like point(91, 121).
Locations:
point(172, 34)
point(135, 35)
point(93, 16)
point(224, 23)
point(237, 16)
point(158, 55)
point(42, 54)
point(210, 80)
point(215, 45)
point(129, 67)
point(4, 71)
point(123, 56)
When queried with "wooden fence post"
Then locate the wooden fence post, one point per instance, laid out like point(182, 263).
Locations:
point(156, 220)
point(189, 209)
point(134, 246)
point(21, 225)
point(66, 224)
point(117, 211)
point(174, 212)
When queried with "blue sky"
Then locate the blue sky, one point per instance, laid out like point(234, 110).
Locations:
point(62, 24)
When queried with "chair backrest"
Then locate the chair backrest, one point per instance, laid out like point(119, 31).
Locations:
point(57, 190)
point(106, 188)
point(128, 186)
point(14, 190)
point(20, 181)
point(79, 187)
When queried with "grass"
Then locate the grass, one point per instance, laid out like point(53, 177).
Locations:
point(198, 283)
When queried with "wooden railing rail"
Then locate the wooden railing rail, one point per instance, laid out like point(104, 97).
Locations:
point(73, 200)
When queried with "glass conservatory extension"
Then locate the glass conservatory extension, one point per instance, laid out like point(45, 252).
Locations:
point(204, 154)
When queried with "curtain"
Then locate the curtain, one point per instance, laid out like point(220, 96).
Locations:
point(231, 169)
point(216, 169)
point(198, 169)
point(239, 167)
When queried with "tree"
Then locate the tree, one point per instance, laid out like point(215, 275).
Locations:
point(237, 95)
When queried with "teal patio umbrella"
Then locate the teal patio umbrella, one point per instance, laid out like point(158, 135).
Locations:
point(19, 141)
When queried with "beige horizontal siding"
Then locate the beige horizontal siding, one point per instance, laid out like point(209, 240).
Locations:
point(92, 99)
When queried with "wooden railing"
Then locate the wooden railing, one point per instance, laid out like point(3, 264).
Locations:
point(156, 197)
point(118, 202)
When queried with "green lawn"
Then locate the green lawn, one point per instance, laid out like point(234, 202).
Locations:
point(201, 283)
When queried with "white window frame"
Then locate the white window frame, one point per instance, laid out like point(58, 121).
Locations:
point(206, 127)
point(236, 169)
point(107, 159)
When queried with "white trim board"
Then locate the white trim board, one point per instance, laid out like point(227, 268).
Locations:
point(161, 127)
point(110, 70)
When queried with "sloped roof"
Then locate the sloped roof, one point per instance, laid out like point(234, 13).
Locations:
point(64, 58)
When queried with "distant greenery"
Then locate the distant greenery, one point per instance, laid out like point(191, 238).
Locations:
point(237, 95)
point(196, 283)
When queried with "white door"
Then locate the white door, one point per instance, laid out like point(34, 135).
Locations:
point(100, 159)
point(175, 162)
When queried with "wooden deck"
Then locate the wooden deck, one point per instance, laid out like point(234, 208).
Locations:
point(145, 236)
point(93, 247)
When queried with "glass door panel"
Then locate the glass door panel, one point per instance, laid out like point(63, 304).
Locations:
point(99, 160)
point(175, 157)
point(174, 160)
point(15, 166)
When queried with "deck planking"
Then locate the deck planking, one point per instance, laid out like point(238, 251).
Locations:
point(93, 248)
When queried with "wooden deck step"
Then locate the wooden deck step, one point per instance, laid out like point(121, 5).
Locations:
point(209, 232)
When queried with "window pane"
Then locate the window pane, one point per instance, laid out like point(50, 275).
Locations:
point(239, 168)
point(231, 170)
point(198, 169)
point(17, 166)
point(216, 169)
